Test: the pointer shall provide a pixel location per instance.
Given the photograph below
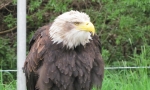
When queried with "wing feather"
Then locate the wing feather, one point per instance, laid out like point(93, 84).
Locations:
point(37, 49)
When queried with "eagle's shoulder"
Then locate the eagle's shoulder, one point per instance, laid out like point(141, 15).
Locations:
point(44, 30)
point(37, 47)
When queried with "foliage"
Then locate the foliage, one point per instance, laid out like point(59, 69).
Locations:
point(10, 20)
point(7, 58)
point(124, 27)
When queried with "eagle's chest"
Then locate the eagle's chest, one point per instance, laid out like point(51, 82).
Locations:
point(73, 64)
point(63, 67)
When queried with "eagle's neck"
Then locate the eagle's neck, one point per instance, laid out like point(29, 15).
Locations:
point(69, 38)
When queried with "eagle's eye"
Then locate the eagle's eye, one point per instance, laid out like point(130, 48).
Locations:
point(76, 23)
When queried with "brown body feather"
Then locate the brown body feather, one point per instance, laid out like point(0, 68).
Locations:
point(51, 66)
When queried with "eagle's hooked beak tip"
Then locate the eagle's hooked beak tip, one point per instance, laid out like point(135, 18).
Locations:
point(87, 26)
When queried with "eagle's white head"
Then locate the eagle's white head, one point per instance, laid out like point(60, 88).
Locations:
point(72, 29)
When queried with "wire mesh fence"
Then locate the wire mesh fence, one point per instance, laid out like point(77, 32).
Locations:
point(106, 68)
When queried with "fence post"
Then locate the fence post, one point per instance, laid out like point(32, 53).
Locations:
point(21, 43)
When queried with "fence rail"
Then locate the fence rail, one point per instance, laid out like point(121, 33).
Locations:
point(107, 68)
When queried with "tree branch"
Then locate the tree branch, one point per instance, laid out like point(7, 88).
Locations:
point(2, 4)
point(7, 31)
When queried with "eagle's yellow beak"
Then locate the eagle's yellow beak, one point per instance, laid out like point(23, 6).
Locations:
point(86, 26)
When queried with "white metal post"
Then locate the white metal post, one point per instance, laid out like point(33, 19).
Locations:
point(21, 43)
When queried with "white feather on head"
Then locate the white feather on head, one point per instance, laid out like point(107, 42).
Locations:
point(64, 31)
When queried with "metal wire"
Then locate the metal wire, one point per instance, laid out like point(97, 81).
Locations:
point(142, 67)
point(8, 70)
point(107, 68)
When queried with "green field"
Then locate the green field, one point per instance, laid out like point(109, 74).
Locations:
point(135, 79)
point(126, 80)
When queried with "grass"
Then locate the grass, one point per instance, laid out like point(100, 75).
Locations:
point(9, 86)
point(130, 79)
point(135, 79)
point(126, 80)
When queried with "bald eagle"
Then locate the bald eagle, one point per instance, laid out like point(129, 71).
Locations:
point(65, 55)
